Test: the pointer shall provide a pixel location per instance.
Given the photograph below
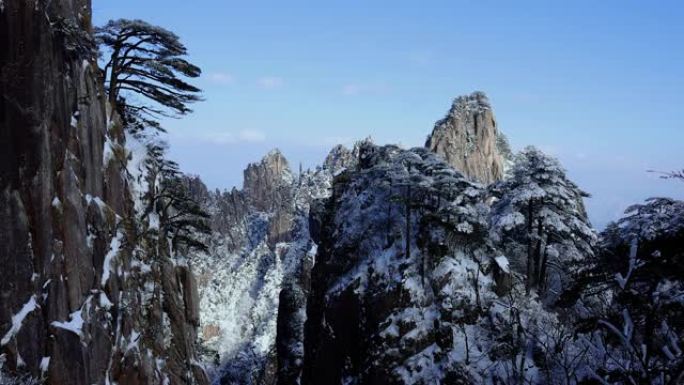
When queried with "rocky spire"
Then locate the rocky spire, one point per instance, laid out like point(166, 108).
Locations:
point(268, 187)
point(263, 180)
point(468, 139)
point(341, 158)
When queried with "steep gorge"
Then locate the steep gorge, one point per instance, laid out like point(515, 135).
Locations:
point(259, 244)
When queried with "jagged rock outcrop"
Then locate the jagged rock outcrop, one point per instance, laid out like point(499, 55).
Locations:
point(339, 158)
point(469, 140)
point(263, 181)
point(74, 308)
point(387, 240)
point(227, 209)
point(403, 288)
point(267, 187)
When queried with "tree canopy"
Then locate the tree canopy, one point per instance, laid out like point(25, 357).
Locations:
point(170, 210)
point(539, 218)
point(146, 60)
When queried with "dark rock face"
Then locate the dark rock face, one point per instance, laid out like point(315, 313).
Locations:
point(468, 139)
point(73, 308)
point(290, 323)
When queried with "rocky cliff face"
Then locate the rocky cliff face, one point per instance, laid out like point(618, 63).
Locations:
point(267, 186)
point(79, 302)
point(469, 140)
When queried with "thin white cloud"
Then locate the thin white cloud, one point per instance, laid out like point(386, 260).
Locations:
point(252, 136)
point(270, 82)
point(223, 137)
point(353, 89)
point(221, 78)
point(218, 137)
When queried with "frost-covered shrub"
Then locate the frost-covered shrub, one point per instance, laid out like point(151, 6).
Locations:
point(405, 268)
point(638, 335)
point(7, 378)
point(539, 221)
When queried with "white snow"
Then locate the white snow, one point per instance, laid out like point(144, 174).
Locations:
point(107, 152)
point(44, 364)
point(511, 220)
point(104, 301)
point(242, 312)
point(74, 325)
point(133, 340)
point(239, 289)
point(18, 319)
point(137, 151)
point(143, 267)
point(97, 200)
point(109, 258)
point(85, 64)
point(503, 263)
point(153, 220)
point(74, 119)
point(20, 361)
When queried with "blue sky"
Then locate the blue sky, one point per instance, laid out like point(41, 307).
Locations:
point(596, 83)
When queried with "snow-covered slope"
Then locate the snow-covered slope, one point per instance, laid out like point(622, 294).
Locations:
point(260, 237)
point(407, 287)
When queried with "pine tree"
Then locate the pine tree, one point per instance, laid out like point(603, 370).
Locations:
point(638, 334)
point(146, 60)
point(178, 220)
point(539, 219)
